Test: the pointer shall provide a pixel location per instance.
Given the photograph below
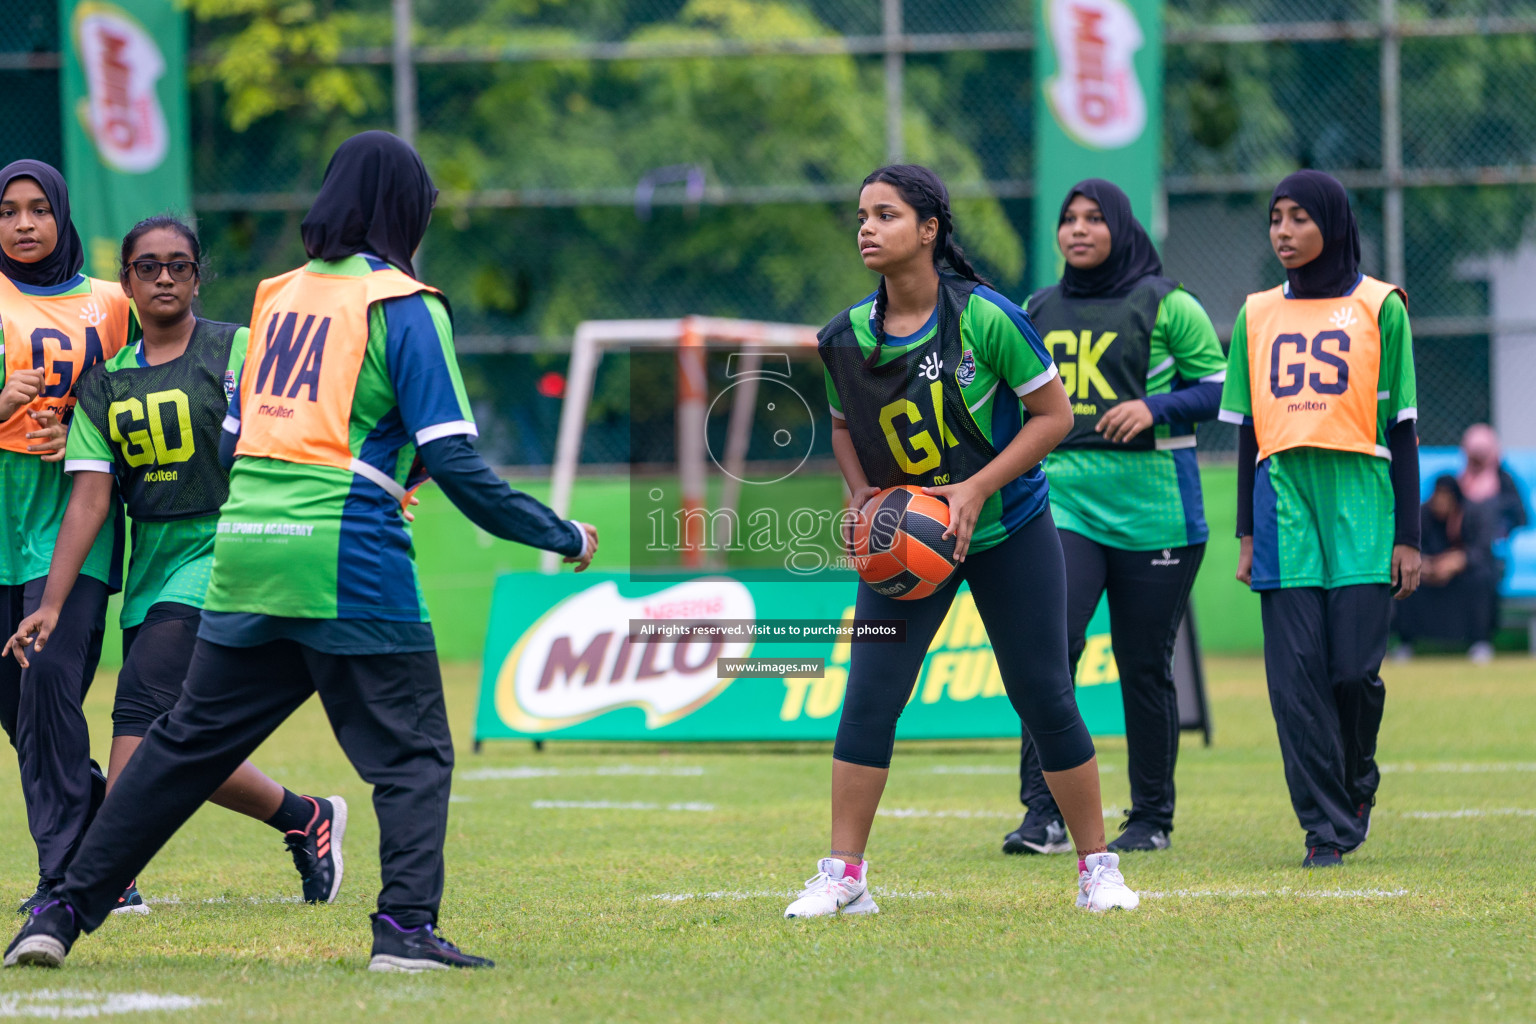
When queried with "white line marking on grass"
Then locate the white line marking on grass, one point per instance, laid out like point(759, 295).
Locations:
point(460, 800)
point(1459, 768)
point(482, 774)
point(174, 900)
point(1285, 893)
point(921, 812)
point(56, 1004)
point(765, 894)
point(1474, 812)
point(990, 769)
point(615, 805)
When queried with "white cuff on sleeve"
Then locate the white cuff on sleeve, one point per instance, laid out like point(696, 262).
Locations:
point(437, 430)
point(573, 524)
point(1229, 416)
point(1036, 382)
point(1409, 413)
point(87, 466)
point(231, 425)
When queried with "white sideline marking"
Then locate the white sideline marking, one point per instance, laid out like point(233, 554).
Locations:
point(1463, 767)
point(991, 769)
point(481, 774)
point(460, 800)
point(1474, 812)
point(1306, 894)
point(764, 894)
point(615, 805)
point(920, 812)
point(253, 900)
point(56, 1004)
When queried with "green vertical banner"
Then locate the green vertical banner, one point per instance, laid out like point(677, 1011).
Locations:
point(126, 152)
point(1098, 110)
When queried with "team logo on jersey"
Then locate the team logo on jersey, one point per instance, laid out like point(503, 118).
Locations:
point(1095, 94)
point(229, 385)
point(121, 111)
point(583, 659)
point(931, 366)
point(965, 373)
point(1343, 317)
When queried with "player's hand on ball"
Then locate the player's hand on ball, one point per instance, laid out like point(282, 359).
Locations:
point(856, 501)
point(1245, 560)
point(584, 559)
point(1124, 421)
point(33, 631)
point(965, 501)
point(1406, 564)
point(50, 435)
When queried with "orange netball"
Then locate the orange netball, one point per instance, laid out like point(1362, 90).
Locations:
point(898, 543)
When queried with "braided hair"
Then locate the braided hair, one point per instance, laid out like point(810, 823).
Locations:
point(924, 191)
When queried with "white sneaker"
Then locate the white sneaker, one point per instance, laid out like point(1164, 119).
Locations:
point(1101, 886)
point(829, 892)
point(1480, 653)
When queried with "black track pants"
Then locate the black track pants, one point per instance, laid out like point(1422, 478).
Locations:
point(386, 711)
point(40, 709)
point(1019, 587)
point(1322, 653)
point(1148, 592)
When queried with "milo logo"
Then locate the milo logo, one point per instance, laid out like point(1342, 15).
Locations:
point(579, 661)
point(1095, 95)
point(121, 112)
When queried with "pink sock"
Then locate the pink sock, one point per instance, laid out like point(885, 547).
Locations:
point(853, 871)
point(1082, 865)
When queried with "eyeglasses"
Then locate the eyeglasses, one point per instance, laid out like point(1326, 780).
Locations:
point(149, 270)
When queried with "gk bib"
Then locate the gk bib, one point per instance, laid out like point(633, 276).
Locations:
point(62, 335)
point(1313, 367)
point(309, 336)
point(1102, 347)
point(907, 417)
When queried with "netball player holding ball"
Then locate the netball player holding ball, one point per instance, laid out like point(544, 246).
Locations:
point(930, 379)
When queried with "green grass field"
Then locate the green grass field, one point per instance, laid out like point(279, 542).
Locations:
point(651, 913)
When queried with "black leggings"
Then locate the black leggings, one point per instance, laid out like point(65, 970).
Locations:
point(156, 654)
point(1020, 589)
point(1148, 592)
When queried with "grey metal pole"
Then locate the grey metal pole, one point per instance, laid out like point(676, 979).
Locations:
point(895, 59)
point(405, 74)
point(1392, 144)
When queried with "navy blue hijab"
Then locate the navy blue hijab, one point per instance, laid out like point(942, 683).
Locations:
point(68, 255)
point(376, 197)
point(1132, 256)
point(1337, 268)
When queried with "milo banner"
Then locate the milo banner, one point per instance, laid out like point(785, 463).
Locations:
point(125, 119)
point(1098, 110)
point(575, 657)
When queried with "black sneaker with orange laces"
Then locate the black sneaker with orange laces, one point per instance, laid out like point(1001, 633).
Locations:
point(317, 849)
point(131, 902)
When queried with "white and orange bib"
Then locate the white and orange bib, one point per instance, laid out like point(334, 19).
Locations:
point(309, 337)
point(1313, 367)
point(63, 335)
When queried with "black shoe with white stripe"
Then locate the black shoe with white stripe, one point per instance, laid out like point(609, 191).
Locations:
point(45, 939)
point(1038, 833)
point(1140, 836)
point(412, 950)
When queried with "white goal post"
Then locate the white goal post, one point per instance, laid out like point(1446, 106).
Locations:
point(693, 337)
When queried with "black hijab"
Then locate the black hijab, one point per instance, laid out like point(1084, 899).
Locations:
point(68, 254)
point(1131, 253)
point(1337, 268)
point(376, 197)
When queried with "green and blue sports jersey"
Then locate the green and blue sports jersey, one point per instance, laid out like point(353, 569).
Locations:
point(316, 542)
point(1324, 518)
point(1146, 500)
point(35, 494)
point(1001, 351)
point(170, 559)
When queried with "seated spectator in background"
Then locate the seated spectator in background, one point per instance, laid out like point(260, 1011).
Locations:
point(1486, 483)
point(1459, 585)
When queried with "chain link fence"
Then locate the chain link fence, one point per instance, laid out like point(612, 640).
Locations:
point(640, 158)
